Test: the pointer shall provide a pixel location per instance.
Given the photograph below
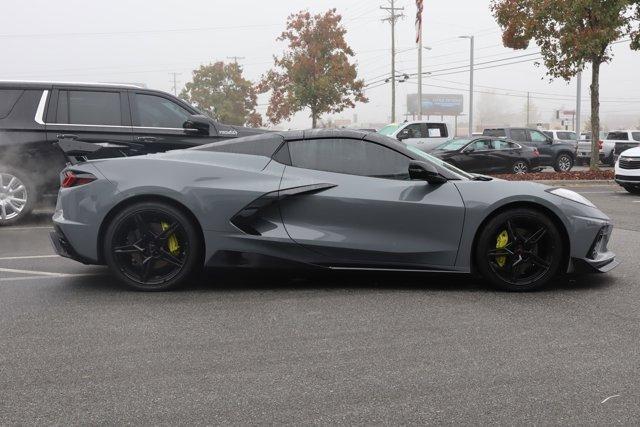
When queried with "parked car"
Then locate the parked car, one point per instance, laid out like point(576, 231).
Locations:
point(127, 118)
point(320, 200)
point(584, 148)
point(488, 155)
point(420, 134)
point(624, 139)
point(557, 154)
point(627, 170)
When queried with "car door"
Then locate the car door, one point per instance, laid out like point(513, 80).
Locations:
point(158, 123)
point(478, 157)
point(96, 115)
point(368, 213)
point(544, 144)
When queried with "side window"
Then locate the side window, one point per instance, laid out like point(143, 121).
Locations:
point(519, 135)
point(436, 130)
point(158, 112)
point(62, 112)
point(414, 131)
point(502, 145)
point(481, 145)
point(94, 108)
point(536, 136)
point(636, 136)
point(349, 156)
point(8, 98)
point(550, 134)
point(620, 136)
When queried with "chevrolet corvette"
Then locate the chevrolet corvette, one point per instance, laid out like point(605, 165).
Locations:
point(336, 200)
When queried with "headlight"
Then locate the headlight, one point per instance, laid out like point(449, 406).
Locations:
point(571, 195)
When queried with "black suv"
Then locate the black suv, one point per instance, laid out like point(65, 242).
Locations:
point(126, 119)
point(558, 154)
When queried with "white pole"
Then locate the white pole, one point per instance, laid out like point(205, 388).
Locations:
point(578, 106)
point(420, 78)
point(471, 89)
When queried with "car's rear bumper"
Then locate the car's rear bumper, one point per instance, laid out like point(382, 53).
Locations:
point(63, 248)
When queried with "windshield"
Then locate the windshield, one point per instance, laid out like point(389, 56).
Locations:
point(389, 129)
point(453, 145)
point(437, 161)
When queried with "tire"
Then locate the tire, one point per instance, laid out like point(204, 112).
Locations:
point(17, 196)
point(564, 163)
point(520, 167)
point(632, 190)
point(610, 161)
point(518, 260)
point(153, 246)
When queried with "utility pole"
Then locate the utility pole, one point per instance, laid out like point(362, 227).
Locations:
point(471, 39)
point(175, 82)
point(578, 126)
point(528, 109)
point(393, 17)
point(236, 58)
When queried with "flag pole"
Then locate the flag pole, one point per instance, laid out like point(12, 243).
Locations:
point(419, 37)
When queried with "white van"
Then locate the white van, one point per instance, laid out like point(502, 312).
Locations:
point(420, 134)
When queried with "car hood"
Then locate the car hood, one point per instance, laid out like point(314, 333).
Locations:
point(631, 152)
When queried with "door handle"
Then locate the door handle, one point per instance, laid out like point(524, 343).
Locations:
point(146, 138)
point(67, 136)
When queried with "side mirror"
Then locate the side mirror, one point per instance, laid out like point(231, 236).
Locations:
point(403, 134)
point(197, 124)
point(426, 172)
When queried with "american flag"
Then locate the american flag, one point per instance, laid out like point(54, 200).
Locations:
point(418, 21)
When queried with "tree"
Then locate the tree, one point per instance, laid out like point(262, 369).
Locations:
point(570, 34)
point(221, 91)
point(314, 72)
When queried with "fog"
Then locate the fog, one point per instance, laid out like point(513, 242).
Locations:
point(143, 42)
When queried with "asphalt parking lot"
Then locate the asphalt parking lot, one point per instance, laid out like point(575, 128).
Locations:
point(78, 348)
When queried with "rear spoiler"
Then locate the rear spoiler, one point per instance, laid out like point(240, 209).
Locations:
point(78, 151)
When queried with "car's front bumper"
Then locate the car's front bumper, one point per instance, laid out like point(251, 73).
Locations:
point(598, 257)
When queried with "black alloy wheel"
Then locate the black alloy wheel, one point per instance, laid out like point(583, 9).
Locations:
point(152, 247)
point(519, 250)
point(520, 167)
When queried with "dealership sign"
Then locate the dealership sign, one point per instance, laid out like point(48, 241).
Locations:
point(436, 104)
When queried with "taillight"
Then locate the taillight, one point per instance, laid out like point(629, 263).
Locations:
point(536, 153)
point(600, 145)
point(74, 179)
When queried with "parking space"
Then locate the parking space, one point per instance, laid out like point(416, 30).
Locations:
point(352, 348)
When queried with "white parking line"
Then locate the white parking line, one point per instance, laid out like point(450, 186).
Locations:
point(12, 258)
point(22, 278)
point(37, 273)
point(25, 228)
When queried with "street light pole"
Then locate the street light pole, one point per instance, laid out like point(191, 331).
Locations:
point(471, 39)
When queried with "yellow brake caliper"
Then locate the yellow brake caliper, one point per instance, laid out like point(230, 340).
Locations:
point(502, 241)
point(172, 242)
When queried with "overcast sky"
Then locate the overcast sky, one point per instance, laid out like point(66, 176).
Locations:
point(143, 41)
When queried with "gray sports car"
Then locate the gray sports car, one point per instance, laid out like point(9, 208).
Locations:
point(339, 200)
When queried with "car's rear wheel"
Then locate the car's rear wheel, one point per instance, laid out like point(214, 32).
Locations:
point(520, 167)
point(153, 246)
point(564, 163)
point(519, 250)
point(17, 195)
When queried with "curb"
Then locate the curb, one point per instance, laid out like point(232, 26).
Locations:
point(576, 182)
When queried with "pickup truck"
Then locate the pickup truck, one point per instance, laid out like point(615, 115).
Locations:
point(619, 141)
point(423, 135)
point(561, 155)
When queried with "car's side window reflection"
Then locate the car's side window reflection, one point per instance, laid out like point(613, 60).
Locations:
point(349, 156)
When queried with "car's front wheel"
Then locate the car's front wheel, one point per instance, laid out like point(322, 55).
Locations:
point(519, 250)
point(153, 246)
point(564, 163)
point(17, 196)
point(631, 189)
